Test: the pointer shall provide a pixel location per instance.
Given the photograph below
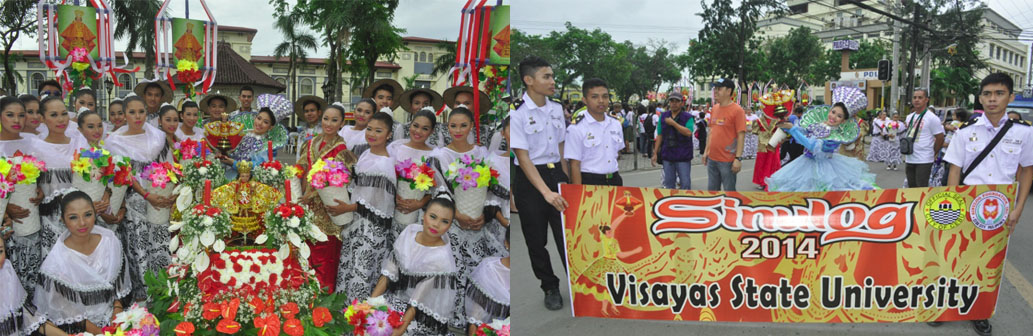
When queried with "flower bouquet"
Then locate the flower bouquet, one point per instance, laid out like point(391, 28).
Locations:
point(24, 172)
point(122, 180)
point(470, 179)
point(270, 173)
point(890, 129)
point(6, 184)
point(495, 328)
point(290, 224)
point(372, 317)
point(414, 180)
point(203, 227)
point(188, 73)
point(159, 178)
point(96, 168)
point(294, 175)
point(193, 155)
point(330, 179)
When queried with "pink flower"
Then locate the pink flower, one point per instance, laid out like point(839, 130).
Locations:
point(338, 179)
point(319, 180)
point(504, 331)
point(467, 159)
point(79, 55)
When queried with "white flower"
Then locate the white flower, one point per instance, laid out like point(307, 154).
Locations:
point(176, 226)
point(207, 238)
point(201, 263)
point(203, 170)
point(316, 233)
point(224, 276)
point(219, 246)
point(304, 251)
point(284, 252)
point(131, 316)
point(294, 222)
point(377, 301)
point(261, 239)
point(498, 324)
point(293, 237)
point(207, 221)
point(174, 244)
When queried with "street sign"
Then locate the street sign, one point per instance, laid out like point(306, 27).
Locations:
point(846, 45)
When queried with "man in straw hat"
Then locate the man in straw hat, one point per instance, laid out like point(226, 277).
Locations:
point(246, 114)
point(412, 101)
point(384, 92)
point(154, 94)
point(214, 107)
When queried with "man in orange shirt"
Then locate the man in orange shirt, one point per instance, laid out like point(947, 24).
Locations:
point(723, 155)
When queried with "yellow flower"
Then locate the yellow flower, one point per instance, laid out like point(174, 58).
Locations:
point(186, 65)
point(31, 173)
point(82, 165)
point(316, 167)
point(80, 66)
point(423, 182)
point(484, 176)
point(292, 171)
point(5, 167)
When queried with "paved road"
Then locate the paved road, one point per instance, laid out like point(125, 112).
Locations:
point(1013, 317)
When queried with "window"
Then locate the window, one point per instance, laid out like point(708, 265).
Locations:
point(430, 57)
point(998, 54)
point(424, 65)
point(127, 85)
point(383, 74)
point(798, 9)
point(423, 57)
point(306, 86)
point(37, 79)
point(308, 70)
point(991, 50)
point(280, 69)
point(423, 84)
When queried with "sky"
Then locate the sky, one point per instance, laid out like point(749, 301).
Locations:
point(437, 19)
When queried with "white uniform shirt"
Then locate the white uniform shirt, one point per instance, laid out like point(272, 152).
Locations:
point(595, 143)
point(931, 126)
point(999, 167)
point(538, 129)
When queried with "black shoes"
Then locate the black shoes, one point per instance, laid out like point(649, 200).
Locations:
point(982, 327)
point(553, 300)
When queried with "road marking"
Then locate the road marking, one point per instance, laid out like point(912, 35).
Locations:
point(1020, 282)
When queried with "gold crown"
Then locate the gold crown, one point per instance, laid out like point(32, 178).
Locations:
point(244, 166)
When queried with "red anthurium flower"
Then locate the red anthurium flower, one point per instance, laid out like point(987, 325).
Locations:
point(394, 319)
point(293, 327)
point(229, 309)
point(184, 329)
point(257, 305)
point(213, 211)
point(289, 310)
point(268, 325)
point(109, 329)
point(321, 316)
point(211, 311)
point(227, 326)
point(174, 307)
point(298, 211)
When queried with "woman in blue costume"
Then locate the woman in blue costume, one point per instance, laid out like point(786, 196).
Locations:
point(821, 131)
point(254, 146)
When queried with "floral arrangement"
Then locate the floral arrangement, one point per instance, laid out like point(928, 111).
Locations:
point(26, 169)
point(189, 149)
point(291, 223)
point(468, 173)
point(94, 164)
point(188, 73)
point(135, 321)
point(372, 317)
point(890, 128)
point(123, 175)
point(326, 173)
point(495, 328)
point(419, 175)
point(7, 180)
point(80, 72)
point(273, 173)
point(495, 79)
point(160, 174)
point(196, 166)
point(203, 227)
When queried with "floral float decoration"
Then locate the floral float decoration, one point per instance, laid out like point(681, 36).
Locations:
point(83, 51)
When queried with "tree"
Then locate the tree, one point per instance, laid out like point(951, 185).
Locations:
point(729, 34)
point(372, 37)
point(523, 45)
point(328, 17)
point(136, 22)
point(17, 17)
point(295, 46)
point(869, 53)
point(798, 56)
point(445, 62)
point(956, 23)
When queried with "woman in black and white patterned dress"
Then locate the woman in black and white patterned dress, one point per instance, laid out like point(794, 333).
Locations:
point(23, 247)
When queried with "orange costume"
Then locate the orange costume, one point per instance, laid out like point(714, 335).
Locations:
point(78, 35)
point(187, 47)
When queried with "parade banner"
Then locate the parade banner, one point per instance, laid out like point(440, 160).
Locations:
point(898, 255)
point(78, 29)
point(189, 41)
point(499, 51)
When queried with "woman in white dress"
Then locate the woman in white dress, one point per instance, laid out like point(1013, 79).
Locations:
point(487, 291)
point(471, 241)
point(880, 139)
point(32, 120)
point(17, 317)
point(355, 136)
point(85, 275)
point(92, 128)
point(189, 115)
point(496, 205)
point(407, 211)
point(366, 241)
point(116, 116)
point(146, 243)
point(24, 246)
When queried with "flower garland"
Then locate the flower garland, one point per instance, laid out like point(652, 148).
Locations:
point(419, 175)
point(188, 73)
point(203, 227)
point(273, 173)
point(26, 169)
point(80, 72)
point(291, 223)
point(161, 173)
point(372, 317)
point(94, 164)
point(468, 173)
point(326, 173)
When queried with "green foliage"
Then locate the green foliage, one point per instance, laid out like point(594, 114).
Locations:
point(135, 22)
point(372, 36)
point(798, 56)
point(295, 46)
point(727, 44)
point(951, 86)
point(869, 54)
point(17, 17)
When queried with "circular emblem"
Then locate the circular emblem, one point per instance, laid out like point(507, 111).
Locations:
point(945, 210)
point(989, 210)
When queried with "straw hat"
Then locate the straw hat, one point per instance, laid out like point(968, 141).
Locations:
point(406, 99)
point(299, 105)
point(231, 105)
point(395, 87)
point(450, 97)
point(166, 91)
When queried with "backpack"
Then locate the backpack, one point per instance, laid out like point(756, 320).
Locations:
point(650, 125)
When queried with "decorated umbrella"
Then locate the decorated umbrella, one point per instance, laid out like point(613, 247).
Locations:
point(281, 107)
point(76, 43)
point(188, 46)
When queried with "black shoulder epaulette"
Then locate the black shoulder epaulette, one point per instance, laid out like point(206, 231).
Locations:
point(1020, 122)
point(516, 104)
point(578, 116)
point(556, 100)
point(968, 123)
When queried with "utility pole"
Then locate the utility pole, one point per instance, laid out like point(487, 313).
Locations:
point(895, 78)
point(912, 55)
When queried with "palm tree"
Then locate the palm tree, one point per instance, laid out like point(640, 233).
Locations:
point(136, 21)
point(295, 46)
point(447, 61)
